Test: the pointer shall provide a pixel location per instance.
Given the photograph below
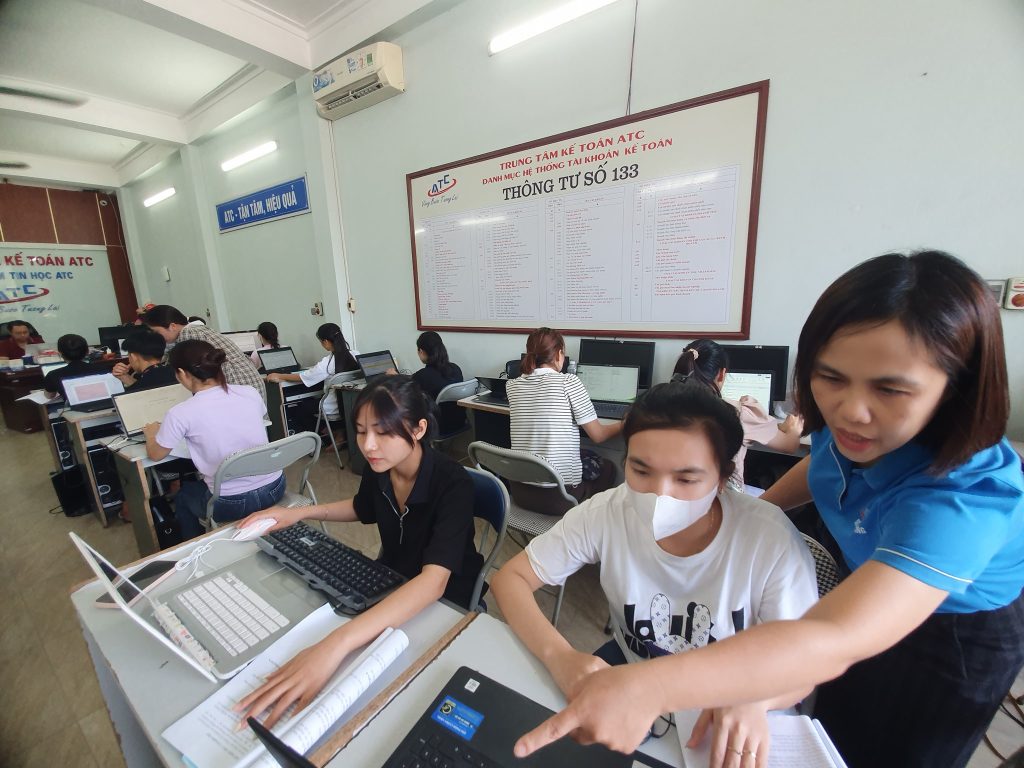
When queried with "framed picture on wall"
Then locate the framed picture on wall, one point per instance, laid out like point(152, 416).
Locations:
point(998, 288)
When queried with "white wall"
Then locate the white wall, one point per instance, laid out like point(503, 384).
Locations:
point(890, 126)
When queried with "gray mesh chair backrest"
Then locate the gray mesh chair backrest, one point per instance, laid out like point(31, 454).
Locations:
point(269, 458)
point(457, 391)
point(825, 569)
point(517, 466)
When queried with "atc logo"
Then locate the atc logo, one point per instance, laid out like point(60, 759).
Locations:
point(11, 294)
point(441, 186)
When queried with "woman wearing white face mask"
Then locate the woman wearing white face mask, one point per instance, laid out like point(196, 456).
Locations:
point(684, 560)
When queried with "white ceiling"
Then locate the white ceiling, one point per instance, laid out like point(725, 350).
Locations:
point(135, 79)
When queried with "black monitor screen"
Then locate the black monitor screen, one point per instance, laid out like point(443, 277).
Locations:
point(111, 336)
point(754, 357)
point(611, 352)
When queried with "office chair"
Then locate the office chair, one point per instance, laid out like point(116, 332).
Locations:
point(329, 385)
point(451, 394)
point(513, 369)
point(265, 459)
point(491, 504)
point(522, 467)
point(825, 569)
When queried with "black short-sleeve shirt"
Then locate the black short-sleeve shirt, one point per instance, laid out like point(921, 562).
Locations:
point(52, 380)
point(451, 416)
point(160, 375)
point(436, 527)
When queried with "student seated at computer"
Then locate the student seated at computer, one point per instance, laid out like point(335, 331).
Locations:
point(339, 358)
point(705, 362)
point(73, 349)
point(430, 541)
point(144, 369)
point(685, 561)
point(547, 409)
point(22, 334)
point(267, 332)
point(175, 327)
point(436, 374)
point(219, 420)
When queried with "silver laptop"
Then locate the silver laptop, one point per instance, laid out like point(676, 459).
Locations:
point(218, 623)
point(137, 409)
point(91, 393)
point(246, 341)
point(612, 388)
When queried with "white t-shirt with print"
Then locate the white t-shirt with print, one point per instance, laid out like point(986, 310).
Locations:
point(756, 569)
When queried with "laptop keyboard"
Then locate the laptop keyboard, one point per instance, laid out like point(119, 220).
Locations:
point(428, 749)
point(345, 574)
point(608, 410)
point(233, 614)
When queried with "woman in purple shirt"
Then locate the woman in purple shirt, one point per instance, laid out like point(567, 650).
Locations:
point(219, 420)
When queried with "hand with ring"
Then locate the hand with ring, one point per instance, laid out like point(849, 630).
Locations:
point(739, 736)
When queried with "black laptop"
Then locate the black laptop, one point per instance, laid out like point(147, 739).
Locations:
point(375, 364)
point(476, 721)
point(497, 394)
point(278, 360)
point(91, 393)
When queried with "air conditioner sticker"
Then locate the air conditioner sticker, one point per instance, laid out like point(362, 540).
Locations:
point(457, 717)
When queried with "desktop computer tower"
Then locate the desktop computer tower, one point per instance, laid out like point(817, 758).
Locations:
point(62, 439)
point(300, 414)
point(69, 485)
point(107, 482)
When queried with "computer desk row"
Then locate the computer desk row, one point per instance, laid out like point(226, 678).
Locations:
point(146, 688)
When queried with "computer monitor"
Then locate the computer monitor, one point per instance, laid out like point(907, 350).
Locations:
point(756, 384)
point(113, 336)
point(137, 409)
point(754, 357)
point(374, 364)
point(612, 352)
point(610, 383)
point(247, 341)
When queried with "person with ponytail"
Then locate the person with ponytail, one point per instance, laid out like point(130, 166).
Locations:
point(339, 358)
point(220, 419)
point(705, 362)
point(170, 323)
point(437, 373)
point(547, 409)
point(422, 504)
point(267, 332)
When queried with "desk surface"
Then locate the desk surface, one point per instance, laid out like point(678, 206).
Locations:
point(159, 688)
point(490, 647)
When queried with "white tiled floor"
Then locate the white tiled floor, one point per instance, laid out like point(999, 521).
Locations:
point(52, 712)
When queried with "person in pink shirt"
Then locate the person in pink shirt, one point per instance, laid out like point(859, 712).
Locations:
point(219, 420)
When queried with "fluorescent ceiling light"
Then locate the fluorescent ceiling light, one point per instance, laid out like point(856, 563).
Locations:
point(544, 22)
point(159, 197)
point(252, 154)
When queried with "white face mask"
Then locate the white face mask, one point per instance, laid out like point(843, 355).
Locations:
point(668, 515)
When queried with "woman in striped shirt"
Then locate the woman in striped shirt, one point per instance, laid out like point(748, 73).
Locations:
point(548, 408)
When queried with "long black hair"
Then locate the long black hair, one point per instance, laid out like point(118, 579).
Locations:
point(162, 315)
point(201, 359)
point(268, 331)
point(701, 361)
point(343, 359)
point(437, 355)
point(399, 405)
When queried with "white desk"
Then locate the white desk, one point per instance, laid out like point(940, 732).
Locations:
point(147, 688)
point(490, 647)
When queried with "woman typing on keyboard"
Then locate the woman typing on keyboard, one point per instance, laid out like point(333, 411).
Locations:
point(422, 504)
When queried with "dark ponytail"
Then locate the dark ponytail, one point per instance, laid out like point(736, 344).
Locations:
point(269, 332)
point(541, 348)
point(200, 359)
point(701, 362)
point(437, 354)
point(399, 404)
point(343, 359)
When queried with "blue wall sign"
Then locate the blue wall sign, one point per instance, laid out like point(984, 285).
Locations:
point(287, 199)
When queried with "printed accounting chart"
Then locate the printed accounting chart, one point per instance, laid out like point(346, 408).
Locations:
point(644, 226)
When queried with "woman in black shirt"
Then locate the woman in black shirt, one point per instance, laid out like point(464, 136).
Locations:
point(422, 504)
point(438, 372)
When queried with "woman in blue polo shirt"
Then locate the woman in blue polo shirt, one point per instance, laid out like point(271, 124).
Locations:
point(901, 374)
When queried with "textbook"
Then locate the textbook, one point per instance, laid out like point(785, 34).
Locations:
point(797, 741)
point(207, 737)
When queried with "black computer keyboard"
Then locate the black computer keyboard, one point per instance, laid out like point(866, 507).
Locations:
point(344, 574)
point(425, 748)
point(611, 410)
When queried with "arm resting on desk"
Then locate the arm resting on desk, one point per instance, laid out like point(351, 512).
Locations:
point(154, 450)
point(599, 432)
point(301, 679)
point(283, 377)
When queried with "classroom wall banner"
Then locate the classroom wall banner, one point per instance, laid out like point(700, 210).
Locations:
point(641, 226)
point(57, 288)
point(280, 201)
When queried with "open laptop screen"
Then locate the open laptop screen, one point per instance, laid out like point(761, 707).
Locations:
point(137, 409)
point(375, 363)
point(276, 359)
point(756, 384)
point(612, 383)
point(87, 389)
point(246, 341)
